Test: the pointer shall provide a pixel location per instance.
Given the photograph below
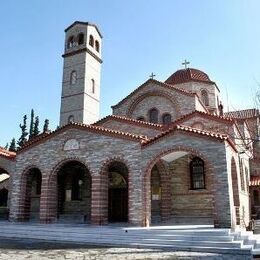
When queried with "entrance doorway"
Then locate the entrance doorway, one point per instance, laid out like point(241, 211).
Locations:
point(74, 193)
point(118, 193)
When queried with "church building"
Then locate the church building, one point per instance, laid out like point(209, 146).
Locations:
point(167, 154)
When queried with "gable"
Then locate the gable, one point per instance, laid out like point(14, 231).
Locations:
point(130, 125)
point(81, 128)
point(155, 94)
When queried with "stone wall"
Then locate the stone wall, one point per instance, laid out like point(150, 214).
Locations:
point(185, 201)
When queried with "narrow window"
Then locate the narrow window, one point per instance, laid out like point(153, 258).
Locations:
point(166, 119)
point(153, 115)
point(70, 42)
point(140, 118)
point(73, 77)
point(93, 86)
point(97, 46)
point(197, 174)
point(70, 119)
point(205, 97)
point(80, 38)
point(91, 41)
point(76, 193)
point(256, 197)
point(38, 184)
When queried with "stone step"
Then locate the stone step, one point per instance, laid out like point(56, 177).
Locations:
point(196, 238)
point(206, 247)
point(128, 235)
point(119, 231)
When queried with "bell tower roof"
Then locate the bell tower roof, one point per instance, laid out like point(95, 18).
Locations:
point(84, 23)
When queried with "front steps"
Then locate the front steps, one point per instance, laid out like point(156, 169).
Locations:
point(196, 238)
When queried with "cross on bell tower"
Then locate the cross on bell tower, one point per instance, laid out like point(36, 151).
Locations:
point(186, 63)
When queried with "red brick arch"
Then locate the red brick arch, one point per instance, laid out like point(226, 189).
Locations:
point(141, 97)
point(99, 204)
point(147, 175)
point(49, 200)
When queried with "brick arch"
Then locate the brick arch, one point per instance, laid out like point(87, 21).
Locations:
point(99, 204)
point(61, 163)
point(25, 191)
point(49, 202)
point(141, 97)
point(209, 175)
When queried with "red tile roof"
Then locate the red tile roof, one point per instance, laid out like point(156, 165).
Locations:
point(7, 154)
point(255, 181)
point(209, 134)
point(203, 114)
point(187, 75)
point(163, 84)
point(91, 128)
point(130, 121)
point(243, 114)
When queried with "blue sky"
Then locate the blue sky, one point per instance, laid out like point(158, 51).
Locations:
point(220, 37)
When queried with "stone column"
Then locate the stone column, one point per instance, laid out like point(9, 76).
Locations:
point(99, 199)
point(49, 199)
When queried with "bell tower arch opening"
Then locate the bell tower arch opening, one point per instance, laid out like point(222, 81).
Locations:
point(82, 67)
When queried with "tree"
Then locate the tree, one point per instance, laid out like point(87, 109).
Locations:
point(31, 131)
point(12, 147)
point(6, 146)
point(23, 138)
point(36, 126)
point(46, 126)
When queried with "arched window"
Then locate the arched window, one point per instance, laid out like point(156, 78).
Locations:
point(70, 42)
point(70, 119)
point(93, 86)
point(73, 77)
point(166, 119)
point(97, 46)
point(140, 118)
point(197, 174)
point(80, 38)
point(205, 97)
point(153, 115)
point(91, 40)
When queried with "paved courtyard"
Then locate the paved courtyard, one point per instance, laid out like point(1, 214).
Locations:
point(35, 249)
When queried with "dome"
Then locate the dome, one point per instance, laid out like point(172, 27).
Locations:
point(187, 75)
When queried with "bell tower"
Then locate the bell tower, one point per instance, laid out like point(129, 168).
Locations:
point(81, 74)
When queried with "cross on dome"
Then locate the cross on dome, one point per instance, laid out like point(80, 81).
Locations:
point(152, 75)
point(185, 63)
